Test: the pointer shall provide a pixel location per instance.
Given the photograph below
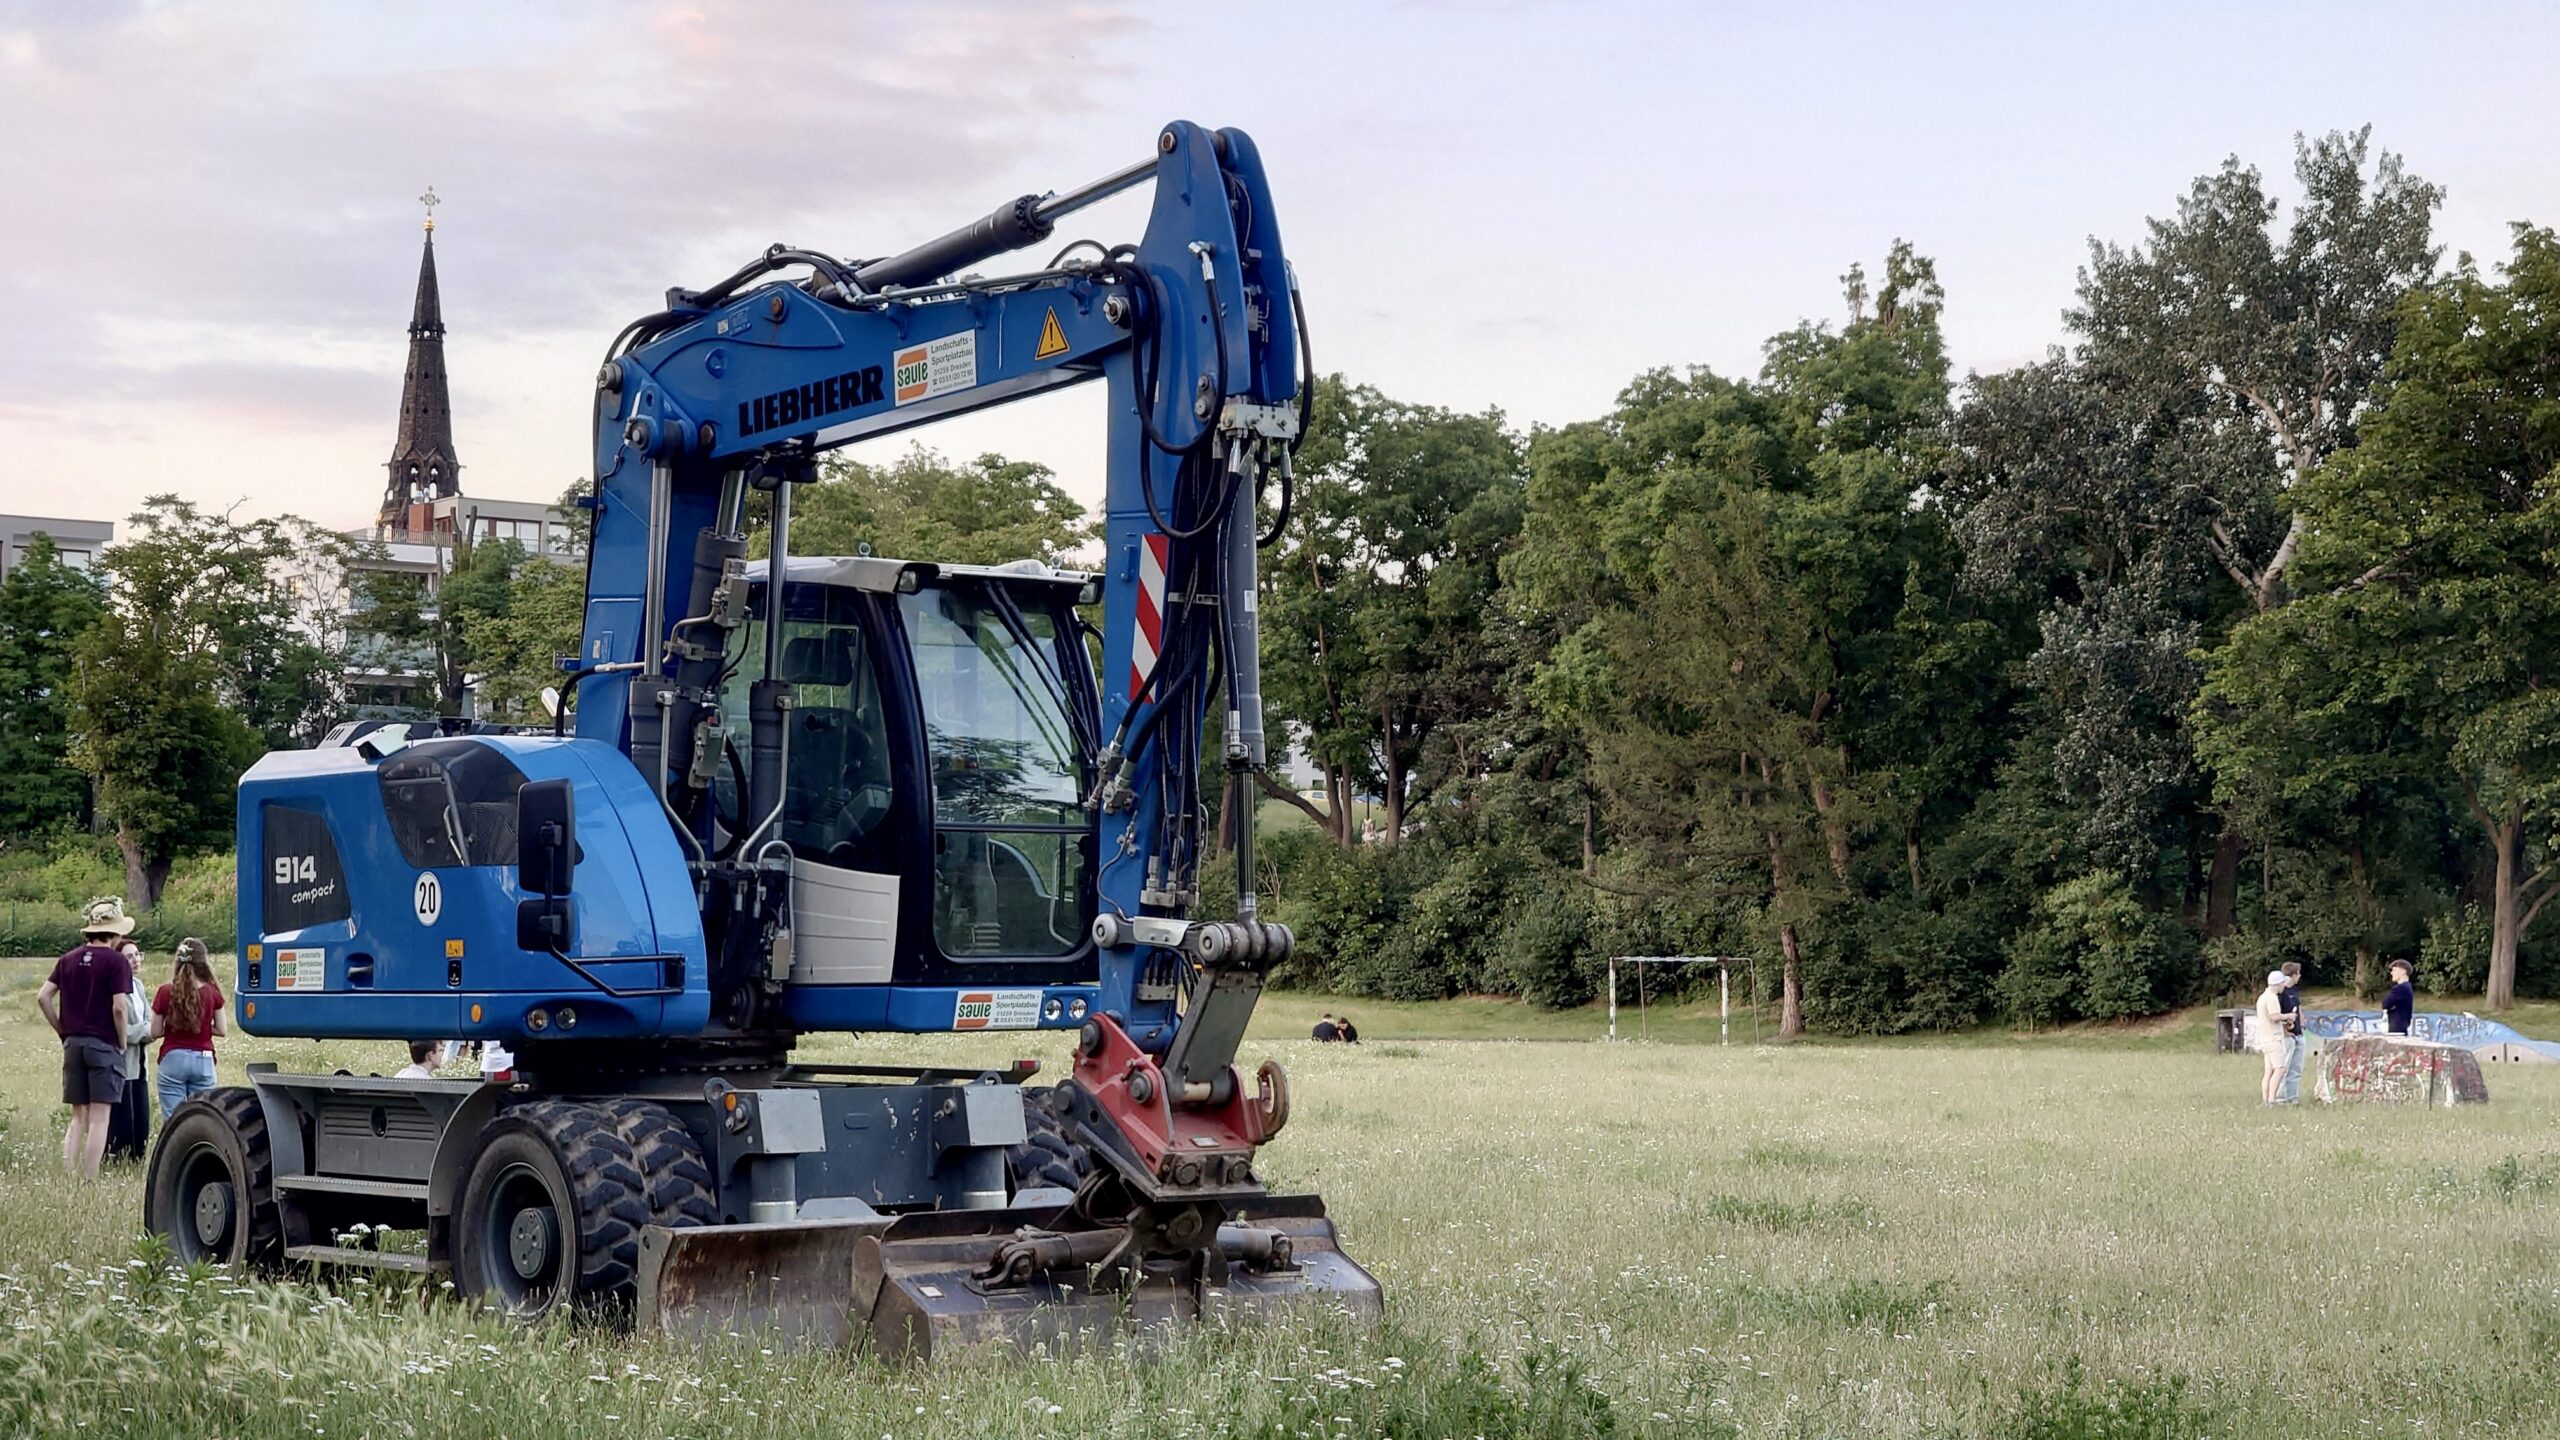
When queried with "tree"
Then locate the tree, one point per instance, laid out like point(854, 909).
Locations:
point(2290, 336)
point(2146, 483)
point(1717, 756)
point(413, 620)
point(1740, 572)
point(2430, 618)
point(984, 512)
point(198, 663)
point(166, 751)
point(240, 596)
point(45, 609)
point(1380, 598)
point(516, 647)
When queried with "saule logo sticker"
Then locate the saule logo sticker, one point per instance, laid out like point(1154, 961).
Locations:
point(936, 367)
point(996, 1010)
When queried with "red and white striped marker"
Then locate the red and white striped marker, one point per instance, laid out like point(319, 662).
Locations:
point(1149, 639)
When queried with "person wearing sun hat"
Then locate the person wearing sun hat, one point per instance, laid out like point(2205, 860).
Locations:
point(2275, 1036)
point(87, 1002)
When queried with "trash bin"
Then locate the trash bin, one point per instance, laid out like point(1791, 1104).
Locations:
point(2231, 1030)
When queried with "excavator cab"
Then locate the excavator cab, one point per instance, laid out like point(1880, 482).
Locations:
point(938, 711)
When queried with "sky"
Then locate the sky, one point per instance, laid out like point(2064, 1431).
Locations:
point(210, 241)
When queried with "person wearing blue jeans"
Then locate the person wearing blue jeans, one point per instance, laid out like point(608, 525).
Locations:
point(185, 1016)
point(2291, 1000)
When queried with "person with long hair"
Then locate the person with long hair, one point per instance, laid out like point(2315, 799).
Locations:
point(185, 1016)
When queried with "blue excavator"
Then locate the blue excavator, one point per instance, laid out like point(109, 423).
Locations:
point(811, 794)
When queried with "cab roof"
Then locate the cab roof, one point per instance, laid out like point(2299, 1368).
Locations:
point(884, 575)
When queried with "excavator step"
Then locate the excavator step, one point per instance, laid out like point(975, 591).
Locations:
point(349, 1185)
point(364, 1259)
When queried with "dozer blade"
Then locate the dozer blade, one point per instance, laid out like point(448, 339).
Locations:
point(791, 1279)
point(921, 1282)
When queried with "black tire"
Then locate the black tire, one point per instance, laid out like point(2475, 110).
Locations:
point(211, 1185)
point(677, 1183)
point(1048, 1155)
point(551, 1214)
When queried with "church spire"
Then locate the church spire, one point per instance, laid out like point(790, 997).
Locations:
point(422, 465)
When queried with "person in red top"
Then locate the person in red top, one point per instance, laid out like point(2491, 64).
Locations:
point(185, 1016)
point(84, 1000)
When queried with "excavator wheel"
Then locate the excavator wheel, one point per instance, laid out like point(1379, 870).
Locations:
point(211, 1188)
point(678, 1183)
point(551, 1214)
point(1046, 1156)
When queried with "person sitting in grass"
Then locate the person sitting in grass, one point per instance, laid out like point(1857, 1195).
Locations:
point(2398, 1006)
point(1345, 1031)
point(1326, 1031)
point(426, 1057)
point(2272, 1035)
point(87, 1003)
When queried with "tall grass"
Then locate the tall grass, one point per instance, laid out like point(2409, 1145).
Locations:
point(1576, 1241)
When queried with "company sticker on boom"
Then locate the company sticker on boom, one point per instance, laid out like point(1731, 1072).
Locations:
point(996, 1010)
point(936, 367)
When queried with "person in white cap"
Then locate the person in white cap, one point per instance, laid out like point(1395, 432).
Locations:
point(2274, 1034)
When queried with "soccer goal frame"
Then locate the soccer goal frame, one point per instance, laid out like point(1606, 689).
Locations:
point(1724, 988)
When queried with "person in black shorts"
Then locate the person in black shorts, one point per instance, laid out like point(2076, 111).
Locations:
point(86, 1001)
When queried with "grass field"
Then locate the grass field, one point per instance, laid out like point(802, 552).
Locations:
point(2048, 1238)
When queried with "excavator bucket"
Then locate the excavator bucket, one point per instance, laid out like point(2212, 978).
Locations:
point(922, 1285)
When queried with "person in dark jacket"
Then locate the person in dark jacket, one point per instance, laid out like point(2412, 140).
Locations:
point(2290, 1093)
point(129, 1123)
point(2398, 1006)
point(1345, 1031)
point(1325, 1030)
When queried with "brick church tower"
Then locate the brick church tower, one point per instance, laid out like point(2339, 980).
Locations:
point(423, 466)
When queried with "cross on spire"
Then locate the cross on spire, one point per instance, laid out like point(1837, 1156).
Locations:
point(431, 200)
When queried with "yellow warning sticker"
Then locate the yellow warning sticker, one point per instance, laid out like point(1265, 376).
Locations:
point(1053, 339)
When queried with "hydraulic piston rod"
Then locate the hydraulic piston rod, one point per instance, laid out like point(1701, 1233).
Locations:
point(1010, 226)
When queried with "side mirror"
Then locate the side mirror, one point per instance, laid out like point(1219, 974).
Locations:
point(546, 860)
point(546, 836)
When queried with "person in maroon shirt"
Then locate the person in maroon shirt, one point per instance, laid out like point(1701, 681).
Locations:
point(84, 1000)
point(185, 1016)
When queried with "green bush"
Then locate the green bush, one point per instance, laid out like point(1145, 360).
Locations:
point(2236, 963)
point(2453, 958)
point(38, 927)
point(1894, 965)
point(1544, 951)
point(2093, 953)
point(1443, 940)
point(43, 892)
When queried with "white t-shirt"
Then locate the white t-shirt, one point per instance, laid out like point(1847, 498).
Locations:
point(413, 1071)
